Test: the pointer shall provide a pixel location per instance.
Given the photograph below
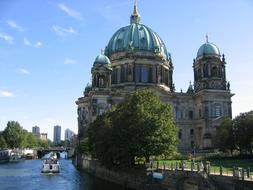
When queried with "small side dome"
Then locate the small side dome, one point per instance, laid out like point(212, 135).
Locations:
point(102, 59)
point(208, 49)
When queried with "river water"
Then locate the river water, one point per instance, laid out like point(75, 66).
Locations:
point(26, 175)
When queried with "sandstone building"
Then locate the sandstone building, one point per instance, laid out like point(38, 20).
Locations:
point(136, 58)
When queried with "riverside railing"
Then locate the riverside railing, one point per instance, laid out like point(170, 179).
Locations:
point(204, 168)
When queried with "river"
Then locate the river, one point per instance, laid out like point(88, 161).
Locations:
point(27, 175)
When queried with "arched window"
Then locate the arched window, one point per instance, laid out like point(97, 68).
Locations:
point(166, 77)
point(214, 71)
point(179, 114)
point(180, 134)
point(144, 74)
point(150, 75)
point(114, 76)
point(217, 111)
point(97, 80)
point(191, 132)
point(137, 73)
point(123, 74)
point(190, 114)
point(118, 75)
point(101, 82)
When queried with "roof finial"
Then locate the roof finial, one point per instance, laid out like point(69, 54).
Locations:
point(135, 8)
point(102, 51)
point(206, 38)
point(135, 17)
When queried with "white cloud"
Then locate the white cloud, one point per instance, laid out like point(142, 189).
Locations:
point(70, 12)
point(6, 94)
point(69, 61)
point(23, 71)
point(7, 38)
point(27, 42)
point(60, 31)
point(38, 44)
point(13, 25)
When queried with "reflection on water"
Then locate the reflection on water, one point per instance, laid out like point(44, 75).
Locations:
point(27, 175)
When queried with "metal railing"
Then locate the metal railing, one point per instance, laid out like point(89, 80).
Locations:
point(204, 168)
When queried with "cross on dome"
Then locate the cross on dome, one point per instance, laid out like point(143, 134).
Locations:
point(206, 38)
point(135, 17)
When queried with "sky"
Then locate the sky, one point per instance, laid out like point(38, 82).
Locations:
point(47, 49)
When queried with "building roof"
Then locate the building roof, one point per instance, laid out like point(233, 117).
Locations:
point(136, 36)
point(102, 59)
point(208, 49)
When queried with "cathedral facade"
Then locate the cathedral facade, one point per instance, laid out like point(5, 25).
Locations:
point(136, 58)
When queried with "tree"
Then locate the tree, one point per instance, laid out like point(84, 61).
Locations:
point(31, 140)
point(141, 127)
point(243, 129)
point(225, 137)
point(100, 142)
point(14, 134)
point(16, 137)
point(43, 143)
point(3, 143)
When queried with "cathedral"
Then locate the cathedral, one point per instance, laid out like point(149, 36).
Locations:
point(136, 58)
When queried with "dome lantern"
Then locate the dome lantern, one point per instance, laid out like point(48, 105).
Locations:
point(135, 17)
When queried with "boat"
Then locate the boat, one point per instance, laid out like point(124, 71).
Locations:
point(4, 155)
point(50, 166)
point(29, 156)
point(15, 157)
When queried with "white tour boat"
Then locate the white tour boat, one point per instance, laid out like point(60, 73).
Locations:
point(51, 165)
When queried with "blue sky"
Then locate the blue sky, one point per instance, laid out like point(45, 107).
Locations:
point(47, 48)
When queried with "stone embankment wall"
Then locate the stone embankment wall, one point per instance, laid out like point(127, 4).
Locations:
point(172, 179)
point(133, 180)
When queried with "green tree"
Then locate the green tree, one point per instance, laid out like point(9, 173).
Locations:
point(100, 139)
point(243, 130)
point(140, 127)
point(32, 140)
point(225, 137)
point(3, 143)
point(14, 134)
point(83, 146)
point(42, 143)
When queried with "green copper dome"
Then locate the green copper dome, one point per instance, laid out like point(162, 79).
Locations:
point(208, 49)
point(102, 59)
point(136, 37)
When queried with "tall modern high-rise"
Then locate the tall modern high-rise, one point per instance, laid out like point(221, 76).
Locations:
point(36, 130)
point(68, 134)
point(57, 134)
